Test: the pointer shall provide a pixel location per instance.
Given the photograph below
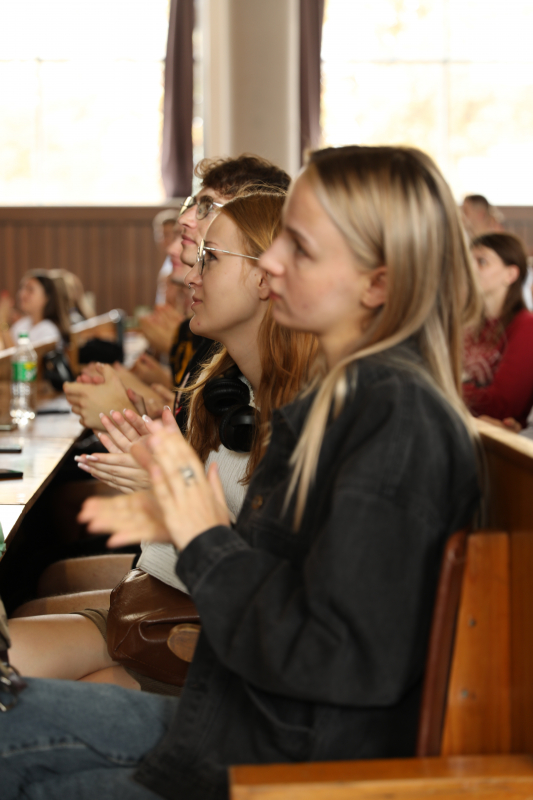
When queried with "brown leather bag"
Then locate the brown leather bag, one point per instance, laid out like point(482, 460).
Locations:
point(142, 613)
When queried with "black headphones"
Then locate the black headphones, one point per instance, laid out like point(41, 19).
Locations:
point(229, 398)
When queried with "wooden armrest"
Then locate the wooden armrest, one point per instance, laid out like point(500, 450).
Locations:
point(486, 777)
point(182, 640)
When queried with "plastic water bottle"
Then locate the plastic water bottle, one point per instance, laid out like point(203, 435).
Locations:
point(23, 381)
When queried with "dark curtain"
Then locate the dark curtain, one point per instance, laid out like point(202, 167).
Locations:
point(311, 18)
point(176, 157)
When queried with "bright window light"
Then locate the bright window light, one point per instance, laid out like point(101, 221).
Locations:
point(81, 101)
point(452, 77)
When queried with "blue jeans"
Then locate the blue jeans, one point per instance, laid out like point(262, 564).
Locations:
point(79, 740)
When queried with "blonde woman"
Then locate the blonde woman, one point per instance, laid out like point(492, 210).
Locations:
point(316, 607)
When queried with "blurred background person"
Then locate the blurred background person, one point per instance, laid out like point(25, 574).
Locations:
point(479, 216)
point(164, 233)
point(43, 302)
point(80, 303)
point(498, 358)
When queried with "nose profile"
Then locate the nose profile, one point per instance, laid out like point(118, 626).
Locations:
point(271, 261)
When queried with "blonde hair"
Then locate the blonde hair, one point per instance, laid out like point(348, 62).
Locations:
point(285, 354)
point(394, 208)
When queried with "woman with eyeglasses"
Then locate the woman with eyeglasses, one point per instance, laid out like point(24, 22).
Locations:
point(228, 423)
point(221, 180)
point(316, 606)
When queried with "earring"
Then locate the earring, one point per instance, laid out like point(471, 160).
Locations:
point(189, 285)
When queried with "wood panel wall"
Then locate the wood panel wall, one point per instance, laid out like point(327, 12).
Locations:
point(519, 220)
point(111, 249)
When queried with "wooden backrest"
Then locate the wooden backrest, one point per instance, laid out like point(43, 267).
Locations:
point(440, 649)
point(489, 706)
point(490, 697)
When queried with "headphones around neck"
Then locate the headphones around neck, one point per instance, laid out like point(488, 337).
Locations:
point(227, 397)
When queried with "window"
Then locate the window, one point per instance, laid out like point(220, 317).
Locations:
point(81, 101)
point(452, 77)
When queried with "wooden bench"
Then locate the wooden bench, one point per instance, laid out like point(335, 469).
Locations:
point(488, 714)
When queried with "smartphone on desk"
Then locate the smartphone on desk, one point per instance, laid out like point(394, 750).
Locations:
point(10, 448)
point(10, 475)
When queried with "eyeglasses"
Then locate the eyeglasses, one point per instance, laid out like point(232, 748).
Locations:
point(202, 250)
point(205, 206)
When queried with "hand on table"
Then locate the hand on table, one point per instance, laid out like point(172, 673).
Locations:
point(88, 400)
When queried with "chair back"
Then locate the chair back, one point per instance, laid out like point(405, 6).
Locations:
point(440, 649)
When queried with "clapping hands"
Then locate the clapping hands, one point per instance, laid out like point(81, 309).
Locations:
point(188, 501)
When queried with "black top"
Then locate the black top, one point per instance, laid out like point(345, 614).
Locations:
point(187, 355)
point(184, 346)
point(313, 643)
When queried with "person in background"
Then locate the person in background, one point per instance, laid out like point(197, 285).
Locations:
point(80, 306)
point(163, 227)
point(498, 361)
point(43, 301)
point(479, 216)
point(222, 179)
point(8, 316)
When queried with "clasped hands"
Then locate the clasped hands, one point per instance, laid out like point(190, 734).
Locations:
point(182, 503)
point(105, 386)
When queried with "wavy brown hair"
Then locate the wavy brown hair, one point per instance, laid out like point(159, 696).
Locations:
point(285, 355)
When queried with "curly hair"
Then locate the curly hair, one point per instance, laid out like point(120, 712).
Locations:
point(228, 176)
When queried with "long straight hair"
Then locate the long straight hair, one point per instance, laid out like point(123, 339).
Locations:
point(285, 355)
point(394, 208)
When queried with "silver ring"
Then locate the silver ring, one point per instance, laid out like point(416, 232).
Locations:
point(188, 475)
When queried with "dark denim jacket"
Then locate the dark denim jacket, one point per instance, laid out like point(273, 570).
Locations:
point(313, 643)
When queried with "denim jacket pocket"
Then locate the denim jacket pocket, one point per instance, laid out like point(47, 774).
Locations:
point(290, 737)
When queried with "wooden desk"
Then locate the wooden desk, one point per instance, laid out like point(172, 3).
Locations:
point(45, 444)
point(490, 778)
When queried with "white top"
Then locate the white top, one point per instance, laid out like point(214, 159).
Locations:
point(164, 272)
point(527, 288)
point(44, 331)
point(160, 560)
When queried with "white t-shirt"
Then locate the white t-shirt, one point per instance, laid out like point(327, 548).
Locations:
point(164, 272)
point(44, 331)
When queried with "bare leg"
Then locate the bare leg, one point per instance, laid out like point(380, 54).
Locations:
point(66, 646)
point(116, 675)
point(63, 604)
point(84, 574)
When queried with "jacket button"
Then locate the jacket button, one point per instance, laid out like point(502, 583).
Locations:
point(257, 502)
